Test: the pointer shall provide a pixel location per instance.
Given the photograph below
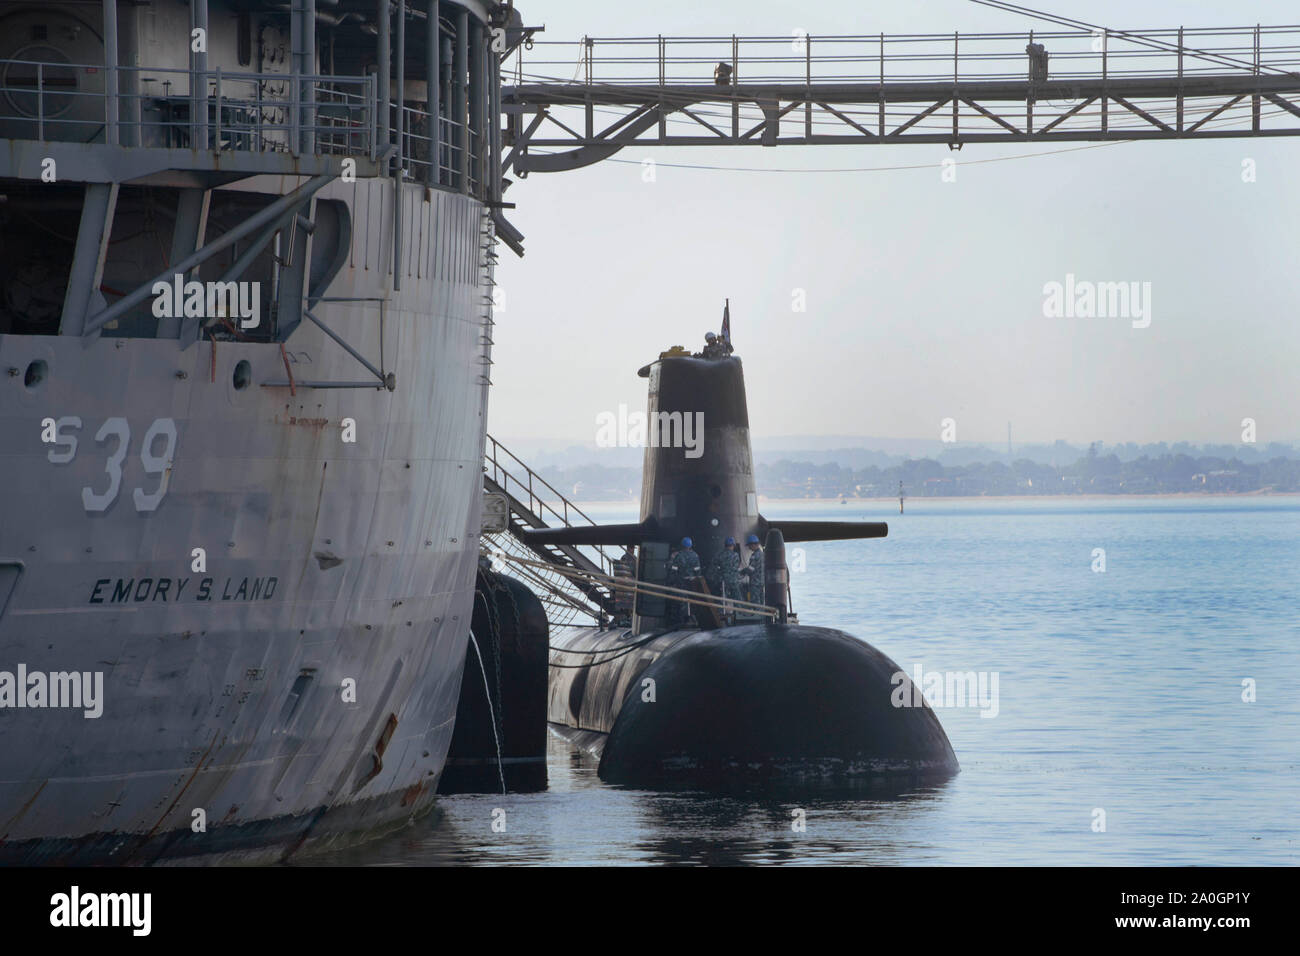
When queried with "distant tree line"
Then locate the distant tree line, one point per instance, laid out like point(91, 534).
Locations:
point(1092, 473)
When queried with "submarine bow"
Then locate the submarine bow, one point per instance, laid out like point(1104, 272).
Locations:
point(759, 702)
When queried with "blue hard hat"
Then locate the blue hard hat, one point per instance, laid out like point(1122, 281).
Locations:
point(752, 539)
point(686, 542)
point(730, 541)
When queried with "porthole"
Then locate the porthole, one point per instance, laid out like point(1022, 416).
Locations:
point(36, 373)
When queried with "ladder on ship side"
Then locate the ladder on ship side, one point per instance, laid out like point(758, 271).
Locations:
point(536, 503)
point(487, 285)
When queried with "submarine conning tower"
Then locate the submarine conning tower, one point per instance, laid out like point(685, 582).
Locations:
point(698, 475)
point(698, 482)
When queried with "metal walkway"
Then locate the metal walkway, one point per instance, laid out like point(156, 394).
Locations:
point(584, 102)
point(535, 503)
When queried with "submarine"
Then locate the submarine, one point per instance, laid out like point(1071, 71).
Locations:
point(733, 691)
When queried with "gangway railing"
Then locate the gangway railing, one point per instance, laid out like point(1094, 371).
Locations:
point(881, 58)
point(596, 96)
point(565, 603)
point(515, 477)
point(536, 503)
point(725, 607)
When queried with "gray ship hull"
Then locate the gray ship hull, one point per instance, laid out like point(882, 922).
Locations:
point(298, 692)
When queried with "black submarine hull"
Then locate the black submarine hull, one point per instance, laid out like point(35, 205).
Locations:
point(752, 703)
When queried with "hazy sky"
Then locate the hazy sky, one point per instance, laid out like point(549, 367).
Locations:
point(924, 297)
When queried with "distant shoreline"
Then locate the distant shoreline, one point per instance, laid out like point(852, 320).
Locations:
point(1089, 496)
point(906, 498)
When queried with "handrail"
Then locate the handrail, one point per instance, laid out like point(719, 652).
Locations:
point(603, 94)
point(650, 589)
point(671, 60)
point(563, 598)
point(235, 111)
point(503, 477)
point(247, 111)
point(532, 474)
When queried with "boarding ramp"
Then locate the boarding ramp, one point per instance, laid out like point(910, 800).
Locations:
point(567, 578)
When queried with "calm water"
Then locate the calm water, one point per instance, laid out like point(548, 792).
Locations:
point(1119, 690)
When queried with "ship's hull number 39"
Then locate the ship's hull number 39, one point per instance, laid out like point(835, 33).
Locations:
point(157, 451)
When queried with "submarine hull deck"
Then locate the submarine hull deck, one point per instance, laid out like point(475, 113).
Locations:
point(757, 702)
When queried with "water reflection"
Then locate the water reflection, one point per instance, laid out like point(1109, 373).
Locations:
point(855, 824)
point(581, 820)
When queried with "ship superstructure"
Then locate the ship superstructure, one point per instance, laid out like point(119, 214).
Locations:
point(245, 316)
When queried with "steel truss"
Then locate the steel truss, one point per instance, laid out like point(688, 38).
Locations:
point(1157, 85)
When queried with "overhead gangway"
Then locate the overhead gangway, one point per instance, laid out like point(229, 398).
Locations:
point(568, 105)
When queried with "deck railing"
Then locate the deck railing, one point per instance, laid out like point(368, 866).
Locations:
point(179, 108)
point(225, 111)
